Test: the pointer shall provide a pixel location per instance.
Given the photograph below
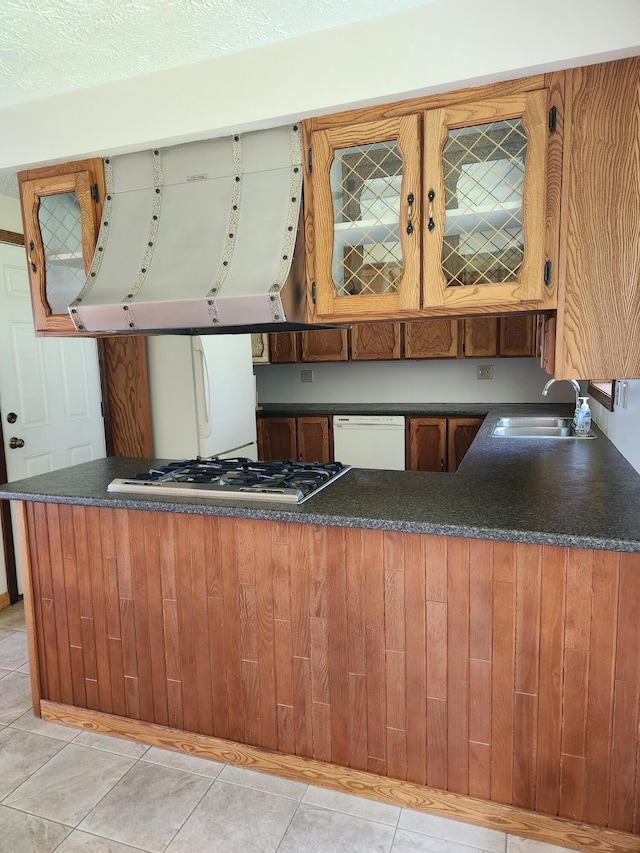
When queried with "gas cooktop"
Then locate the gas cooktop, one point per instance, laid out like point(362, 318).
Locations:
point(234, 479)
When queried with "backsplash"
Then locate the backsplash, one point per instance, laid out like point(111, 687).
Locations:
point(515, 380)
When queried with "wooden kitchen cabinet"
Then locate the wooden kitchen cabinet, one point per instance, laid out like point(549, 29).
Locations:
point(284, 347)
point(439, 444)
point(488, 337)
point(324, 345)
point(375, 341)
point(598, 321)
point(490, 627)
point(517, 336)
point(61, 208)
point(431, 339)
point(484, 162)
point(480, 337)
point(304, 439)
point(484, 165)
point(277, 438)
point(366, 210)
point(462, 431)
point(314, 439)
point(426, 444)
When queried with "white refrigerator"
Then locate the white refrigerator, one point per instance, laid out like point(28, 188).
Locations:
point(202, 396)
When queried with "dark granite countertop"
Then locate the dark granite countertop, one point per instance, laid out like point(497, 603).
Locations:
point(449, 410)
point(559, 492)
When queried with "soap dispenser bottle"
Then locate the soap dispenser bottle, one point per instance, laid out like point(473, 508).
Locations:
point(583, 417)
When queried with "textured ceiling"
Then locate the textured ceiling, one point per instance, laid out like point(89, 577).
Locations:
point(53, 46)
point(48, 47)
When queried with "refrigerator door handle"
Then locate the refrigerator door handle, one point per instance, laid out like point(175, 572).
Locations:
point(203, 399)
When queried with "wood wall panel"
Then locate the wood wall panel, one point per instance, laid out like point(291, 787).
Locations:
point(506, 671)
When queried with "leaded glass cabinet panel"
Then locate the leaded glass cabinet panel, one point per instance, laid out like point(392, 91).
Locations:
point(484, 185)
point(367, 218)
point(61, 217)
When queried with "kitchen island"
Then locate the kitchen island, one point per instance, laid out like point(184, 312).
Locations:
point(466, 643)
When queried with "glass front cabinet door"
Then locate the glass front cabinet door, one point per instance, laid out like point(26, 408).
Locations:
point(61, 210)
point(484, 194)
point(366, 203)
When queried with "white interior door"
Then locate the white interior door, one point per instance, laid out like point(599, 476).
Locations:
point(49, 387)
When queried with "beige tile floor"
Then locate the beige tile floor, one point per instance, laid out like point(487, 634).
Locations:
point(65, 790)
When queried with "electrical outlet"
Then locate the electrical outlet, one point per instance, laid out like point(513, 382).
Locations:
point(306, 376)
point(485, 371)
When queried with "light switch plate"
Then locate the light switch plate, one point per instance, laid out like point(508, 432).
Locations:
point(306, 376)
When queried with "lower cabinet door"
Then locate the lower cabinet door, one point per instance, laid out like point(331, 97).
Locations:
point(427, 444)
point(277, 438)
point(462, 431)
point(314, 444)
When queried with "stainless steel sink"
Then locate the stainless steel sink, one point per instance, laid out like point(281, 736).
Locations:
point(536, 427)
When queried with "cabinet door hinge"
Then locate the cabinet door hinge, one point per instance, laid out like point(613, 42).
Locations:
point(310, 160)
point(95, 195)
point(547, 273)
point(553, 119)
point(313, 292)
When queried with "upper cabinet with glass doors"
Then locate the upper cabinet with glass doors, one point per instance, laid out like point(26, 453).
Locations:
point(366, 200)
point(431, 213)
point(484, 188)
point(61, 211)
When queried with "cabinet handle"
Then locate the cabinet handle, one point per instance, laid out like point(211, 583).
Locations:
point(410, 200)
point(442, 464)
point(431, 195)
point(31, 248)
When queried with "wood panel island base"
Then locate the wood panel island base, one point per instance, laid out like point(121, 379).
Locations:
point(492, 682)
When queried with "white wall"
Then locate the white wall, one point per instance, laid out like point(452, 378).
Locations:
point(440, 46)
point(10, 218)
point(621, 425)
point(515, 380)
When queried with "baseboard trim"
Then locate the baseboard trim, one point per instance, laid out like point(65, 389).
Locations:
point(552, 830)
point(5, 601)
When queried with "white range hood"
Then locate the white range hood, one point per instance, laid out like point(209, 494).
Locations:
point(200, 237)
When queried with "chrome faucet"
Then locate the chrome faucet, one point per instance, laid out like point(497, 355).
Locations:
point(577, 389)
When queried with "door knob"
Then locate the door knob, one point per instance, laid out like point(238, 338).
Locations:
point(16, 442)
point(12, 417)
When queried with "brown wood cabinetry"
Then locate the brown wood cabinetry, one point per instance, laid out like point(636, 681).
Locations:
point(439, 444)
point(314, 442)
point(488, 337)
point(277, 438)
point(284, 347)
point(305, 439)
point(517, 336)
point(506, 672)
point(61, 208)
point(426, 444)
point(462, 431)
point(375, 341)
point(482, 189)
point(599, 279)
point(480, 337)
point(431, 339)
point(328, 345)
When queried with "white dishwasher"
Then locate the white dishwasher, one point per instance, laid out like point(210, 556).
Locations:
point(369, 441)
